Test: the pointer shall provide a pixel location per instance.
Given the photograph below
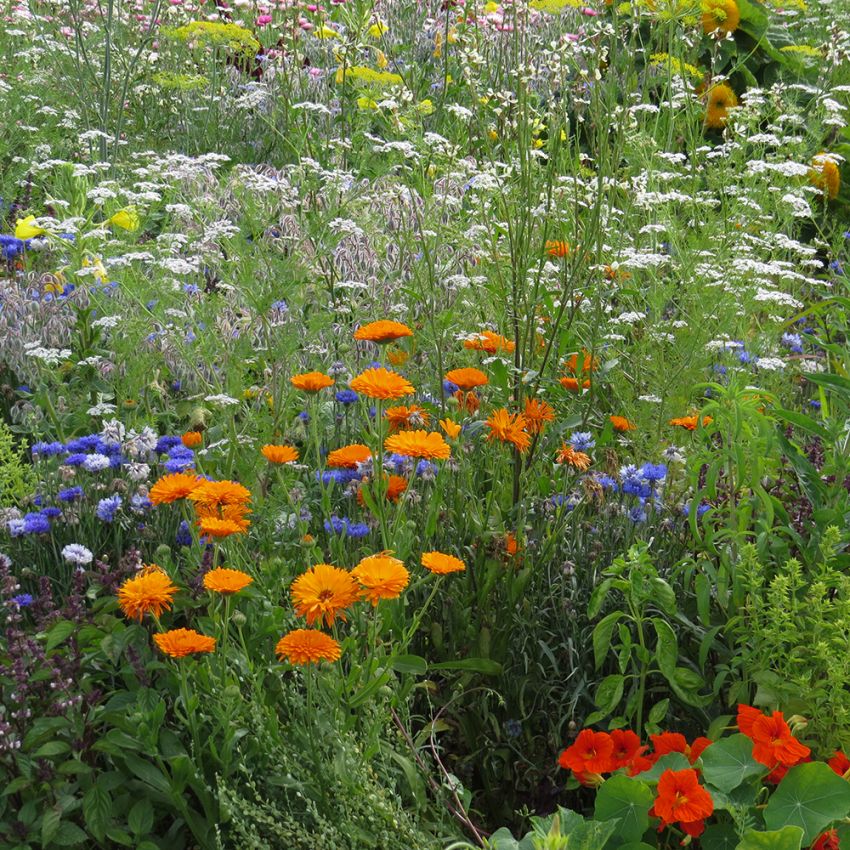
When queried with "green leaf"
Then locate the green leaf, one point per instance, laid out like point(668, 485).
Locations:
point(69, 835)
point(672, 761)
point(787, 838)
point(666, 649)
point(148, 773)
point(409, 664)
point(719, 837)
point(50, 825)
point(628, 800)
point(97, 807)
point(473, 665)
point(810, 796)
point(598, 597)
point(663, 595)
point(52, 748)
point(602, 633)
point(58, 633)
point(608, 695)
point(140, 819)
point(800, 420)
point(728, 762)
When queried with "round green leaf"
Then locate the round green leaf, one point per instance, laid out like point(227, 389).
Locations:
point(787, 838)
point(727, 763)
point(810, 796)
point(628, 800)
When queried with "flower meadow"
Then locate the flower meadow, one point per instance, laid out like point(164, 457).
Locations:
point(425, 425)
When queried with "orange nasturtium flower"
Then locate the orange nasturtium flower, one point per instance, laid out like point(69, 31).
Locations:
point(171, 488)
point(311, 382)
point(149, 592)
point(381, 577)
point(773, 742)
point(191, 439)
point(441, 564)
point(468, 378)
point(280, 454)
point(381, 383)
point(509, 428)
point(323, 593)
point(382, 331)
point(682, 800)
point(591, 752)
point(179, 643)
point(307, 646)
point(226, 581)
point(347, 457)
point(421, 444)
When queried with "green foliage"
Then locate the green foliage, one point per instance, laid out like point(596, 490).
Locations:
point(18, 480)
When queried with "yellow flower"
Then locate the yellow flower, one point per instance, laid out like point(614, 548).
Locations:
point(426, 107)
point(25, 228)
point(825, 175)
point(366, 103)
point(721, 16)
point(720, 100)
point(325, 31)
point(126, 219)
point(378, 29)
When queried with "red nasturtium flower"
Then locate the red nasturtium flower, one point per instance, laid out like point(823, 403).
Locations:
point(682, 800)
point(592, 752)
point(674, 742)
point(839, 763)
point(828, 840)
point(773, 743)
point(627, 747)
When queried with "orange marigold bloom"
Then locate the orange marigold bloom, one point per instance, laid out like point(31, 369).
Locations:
point(381, 331)
point(826, 175)
point(307, 646)
point(323, 593)
point(348, 457)
point(213, 526)
point(280, 454)
point(381, 577)
point(557, 248)
point(591, 752)
point(490, 342)
point(570, 456)
point(622, 424)
point(509, 428)
point(690, 423)
point(538, 414)
point(191, 439)
point(179, 643)
point(170, 488)
point(422, 444)
point(407, 417)
point(219, 493)
point(468, 378)
point(149, 592)
point(451, 428)
point(311, 382)
point(396, 485)
point(681, 799)
point(381, 383)
point(442, 564)
point(225, 581)
point(573, 385)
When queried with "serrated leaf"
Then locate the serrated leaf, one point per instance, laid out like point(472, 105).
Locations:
point(97, 806)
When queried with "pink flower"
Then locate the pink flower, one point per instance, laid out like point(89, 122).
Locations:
point(262, 20)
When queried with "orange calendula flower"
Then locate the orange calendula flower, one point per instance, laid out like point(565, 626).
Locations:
point(468, 378)
point(222, 521)
point(422, 444)
point(407, 417)
point(578, 460)
point(681, 799)
point(490, 342)
point(225, 581)
point(280, 454)
point(396, 485)
point(218, 493)
point(149, 592)
point(589, 363)
point(323, 593)
point(382, 331)
point(348, 457)
point(213, 526)
point(171, 488)
point(690, 423)
point(311, 382)
point(468, 401)
point(442, 564)
point(179, 643)
point(307, 646)
point(191, 439)
point(509, 428)
point(397, 356)
point(622, 424)
point(719, 100)
point(557, 248)
point(573, 385)
point(511, 543)
point(825, 174)
point(381, 383)
point(451, 428)
point(538, 414)
point(381, 577)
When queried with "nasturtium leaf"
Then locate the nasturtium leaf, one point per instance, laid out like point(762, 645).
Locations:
point(672, 761)
point(728, 762)
point(721, 836)
point(628, 800)
point(787, 838)
point(810, 796)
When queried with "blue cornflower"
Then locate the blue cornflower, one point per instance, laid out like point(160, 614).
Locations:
point(347, 397)
point(304, 416)
point(606, 482)
point(89, 443)
point(165, 444)
point(357, 529)
point(77, 459)
point(450, 388)
point(427, 470)
point(582, 441)
point(36, 524)
point(654, 471)
point(140, 504)
point(23, 600)
point(16, 527)
point(183, 536)
point(51, 512)
point(47, 449)
point(744, 356)
point(280, 307)
point(637, 514)
point(793, 342)
point(96, 463)
point(71, 494)
point(107, 508)
point(815, 404)
point(335, 525)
